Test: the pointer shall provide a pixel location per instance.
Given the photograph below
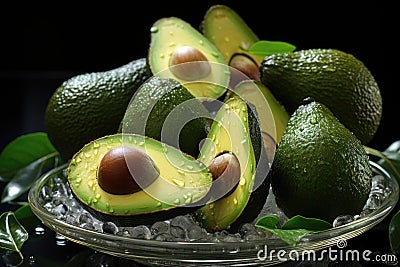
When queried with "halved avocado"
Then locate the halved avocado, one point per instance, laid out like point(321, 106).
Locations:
point(179, 51)
point(280, 116)
point(180, 179)
point(233, 37)
point(235, 130)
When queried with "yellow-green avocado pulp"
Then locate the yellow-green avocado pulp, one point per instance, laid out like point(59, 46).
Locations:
point(182, 180)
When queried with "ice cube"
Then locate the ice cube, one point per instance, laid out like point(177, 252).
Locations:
point(141, 232)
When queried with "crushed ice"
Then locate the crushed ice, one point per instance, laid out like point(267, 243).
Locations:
point(57, 198)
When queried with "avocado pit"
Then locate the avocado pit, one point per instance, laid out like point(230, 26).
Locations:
point(245, 65)
point(126, 170)
point(188, 63)
point(225, 170)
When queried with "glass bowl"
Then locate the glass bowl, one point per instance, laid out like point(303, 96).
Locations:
point(263, 252)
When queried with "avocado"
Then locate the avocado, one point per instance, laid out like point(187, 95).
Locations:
point(90, 105)
point(247, 90)
point(234, 145)
point(131, 179)
point(165, 110)
point(335, 78)
point(179, 51)
point(233, 37)
point(320, 169)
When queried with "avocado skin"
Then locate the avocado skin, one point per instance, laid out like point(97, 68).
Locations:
point(259, 195)
point(162, 96)
point(320, 168)
point(91, 105)
point(332, 77)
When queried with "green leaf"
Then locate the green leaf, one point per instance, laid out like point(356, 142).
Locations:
point(12, 233)
point(269, 221)
point(294, 229)
point(23, 151)
point(394, 233)
point(265, 48)
point(24, 212)
point(24, 178)
point(298, 222)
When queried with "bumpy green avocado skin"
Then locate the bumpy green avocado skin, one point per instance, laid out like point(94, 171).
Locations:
point(335, 78)
point(91, 105)
point(162, 109)
point(320, 168)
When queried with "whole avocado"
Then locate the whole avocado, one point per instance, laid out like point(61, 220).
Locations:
point(320, 169)
point(91, 105)
point(335, 78)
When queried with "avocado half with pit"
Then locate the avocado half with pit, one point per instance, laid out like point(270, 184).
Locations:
point(236, 136)
point(131, 179)
point(233, 37)
point(179, 51)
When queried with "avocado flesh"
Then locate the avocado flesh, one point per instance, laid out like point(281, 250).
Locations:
point(335, 78)
point(168, 35)
point(234, 130)
point(160, 108)
point(182, 181)
point(320, 169)
point(229, 32)
point(279, 117)
point(90, 105)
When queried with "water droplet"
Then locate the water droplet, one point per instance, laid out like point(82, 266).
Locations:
point(178, 182)
point(245, 45)
point(215, 54)
point(161, 56)
point(201, 42)
point(226, 39)
point(96, 145)
point(158, 204)
point(177, 201)
point(154, 29)
point(188, 200)
point(171, 44)
point(235, 201)
point(242, 181)
point(313, 120)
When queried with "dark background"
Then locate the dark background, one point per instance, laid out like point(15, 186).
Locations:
point(44, 45)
